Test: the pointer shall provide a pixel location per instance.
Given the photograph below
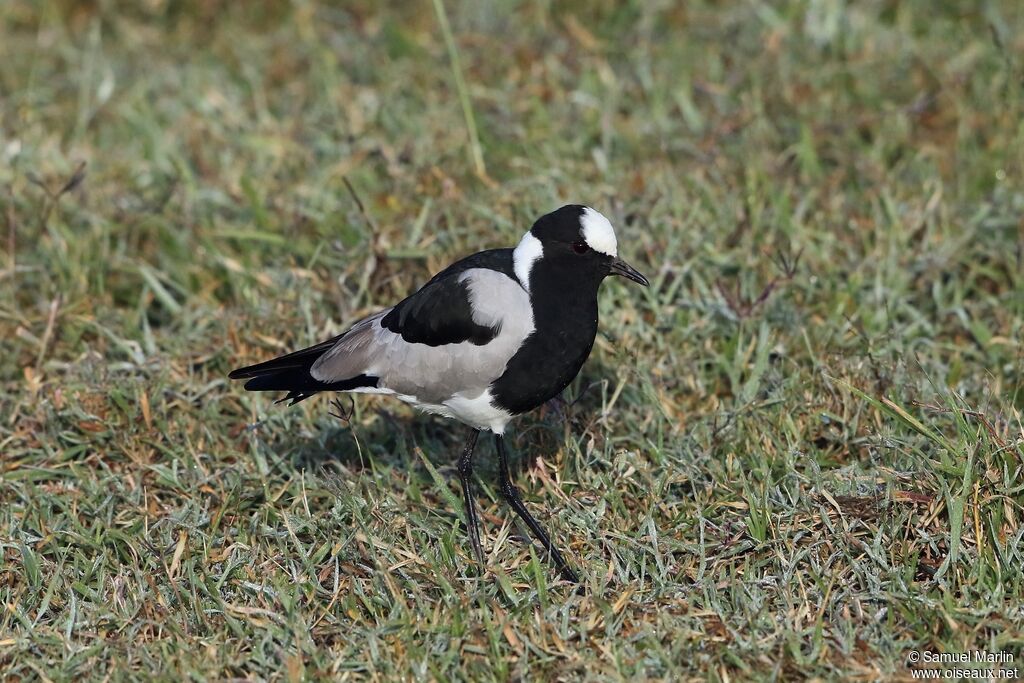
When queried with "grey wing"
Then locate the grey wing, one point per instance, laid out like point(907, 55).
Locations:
point(434, 373)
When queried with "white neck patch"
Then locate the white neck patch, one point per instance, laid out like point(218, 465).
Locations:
point(525, 255)
point(598, 232)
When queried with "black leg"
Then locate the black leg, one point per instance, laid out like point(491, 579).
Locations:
point(466, 476)
point(511, 495)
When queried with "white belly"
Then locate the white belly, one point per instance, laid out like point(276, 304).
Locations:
point(477, 412)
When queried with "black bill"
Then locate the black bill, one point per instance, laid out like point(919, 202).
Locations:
point(620, 267)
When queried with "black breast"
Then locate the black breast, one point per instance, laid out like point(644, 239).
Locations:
point(565, 321)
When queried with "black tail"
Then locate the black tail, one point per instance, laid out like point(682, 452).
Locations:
point(291, 373)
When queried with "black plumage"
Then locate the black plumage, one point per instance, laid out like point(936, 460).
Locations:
point(438, 314)
point(291, 373)
point(492, 336)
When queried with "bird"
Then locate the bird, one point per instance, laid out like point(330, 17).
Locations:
point(492, 336)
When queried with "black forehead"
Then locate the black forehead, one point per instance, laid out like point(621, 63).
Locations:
point(561, 225)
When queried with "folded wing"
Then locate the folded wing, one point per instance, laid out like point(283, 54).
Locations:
point(452, 338)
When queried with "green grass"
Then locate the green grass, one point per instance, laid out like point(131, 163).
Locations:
point(801, 450)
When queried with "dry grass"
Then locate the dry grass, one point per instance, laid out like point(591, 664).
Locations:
point(801, 451)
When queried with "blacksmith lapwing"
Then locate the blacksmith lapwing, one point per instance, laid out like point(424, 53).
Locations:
point(490, 337)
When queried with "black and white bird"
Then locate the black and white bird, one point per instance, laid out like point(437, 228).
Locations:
point(492, 336)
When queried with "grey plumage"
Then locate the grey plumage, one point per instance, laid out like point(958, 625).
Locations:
point(488, 338)
point(434, 375)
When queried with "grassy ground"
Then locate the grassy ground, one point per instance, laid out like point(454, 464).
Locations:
point(798, 453)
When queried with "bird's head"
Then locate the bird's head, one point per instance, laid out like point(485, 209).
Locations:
point(575, 244)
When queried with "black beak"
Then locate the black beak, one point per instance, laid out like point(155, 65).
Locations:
point(620, 267)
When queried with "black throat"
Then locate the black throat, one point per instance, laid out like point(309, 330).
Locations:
point(564, 302)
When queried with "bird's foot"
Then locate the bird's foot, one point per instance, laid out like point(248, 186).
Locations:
point(344, 415)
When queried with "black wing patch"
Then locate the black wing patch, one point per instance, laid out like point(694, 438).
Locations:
point(438, 314)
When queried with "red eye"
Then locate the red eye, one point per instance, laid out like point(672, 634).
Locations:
point(580, 247)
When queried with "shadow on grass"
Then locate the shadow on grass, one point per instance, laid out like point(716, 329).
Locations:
point(391, 440)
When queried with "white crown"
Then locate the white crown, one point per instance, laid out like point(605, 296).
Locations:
point(598, 232)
